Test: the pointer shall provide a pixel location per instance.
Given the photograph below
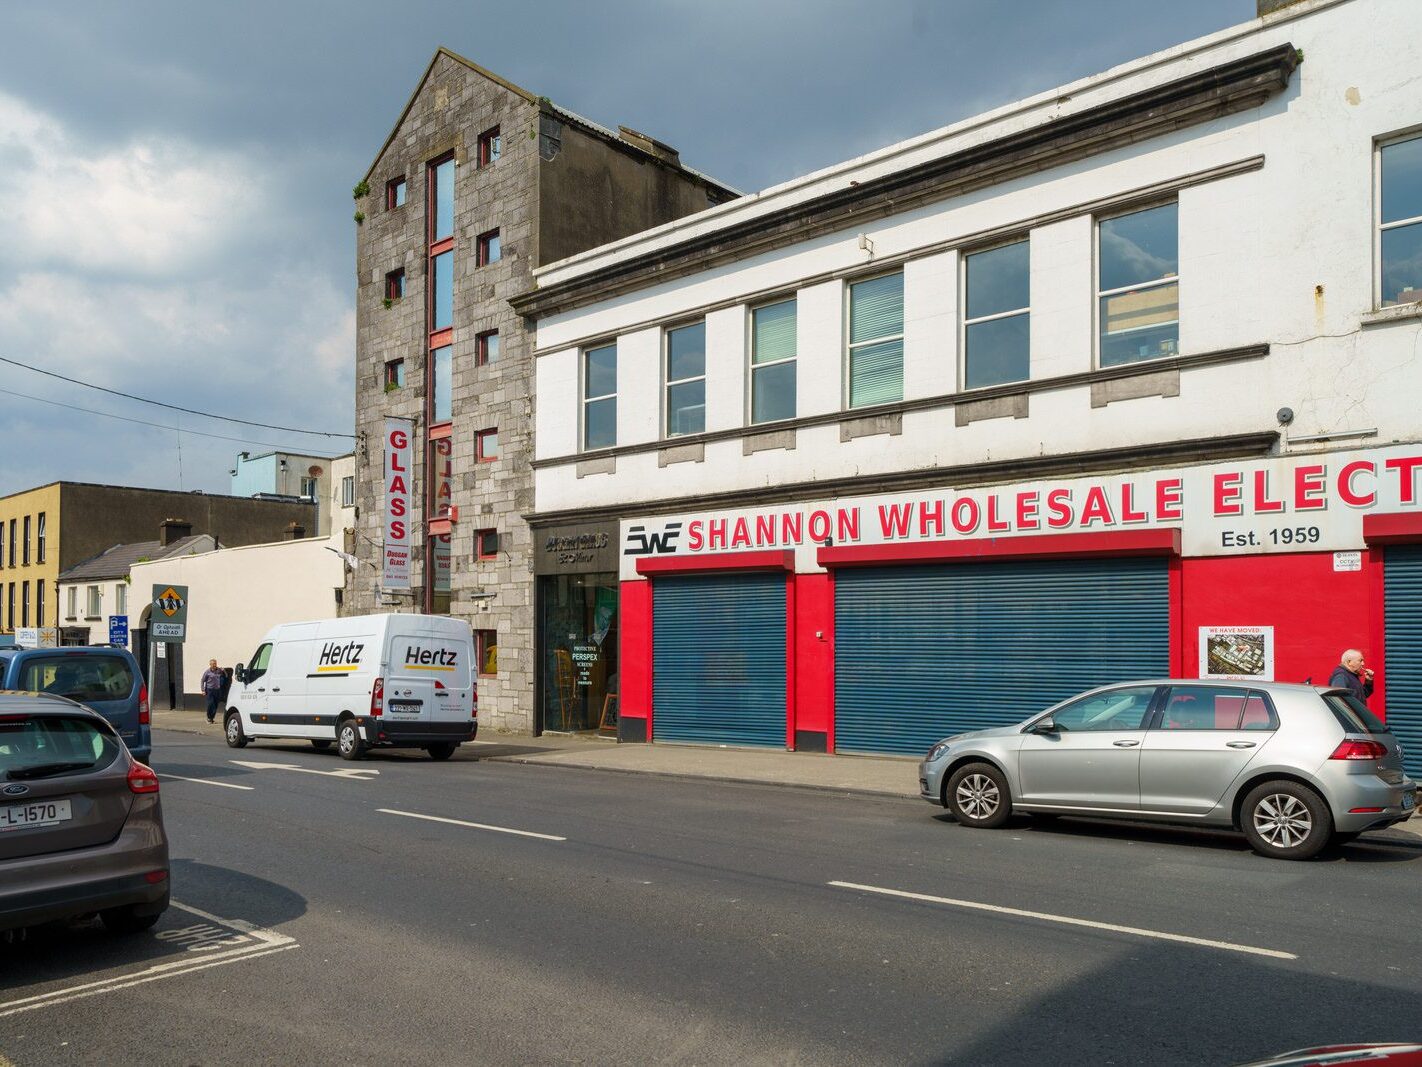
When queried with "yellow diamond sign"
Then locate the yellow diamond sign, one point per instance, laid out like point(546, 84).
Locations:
point(169, 602)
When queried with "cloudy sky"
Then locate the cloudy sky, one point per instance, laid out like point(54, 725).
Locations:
point(175, 219)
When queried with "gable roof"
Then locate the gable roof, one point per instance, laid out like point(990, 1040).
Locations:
point(116, 562)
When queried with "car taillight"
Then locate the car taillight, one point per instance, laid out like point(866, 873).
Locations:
point(142, 779)
point(143, 716)
point(377, 698)
point(1350, 749)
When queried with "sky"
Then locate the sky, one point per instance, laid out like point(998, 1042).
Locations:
point(175, 221)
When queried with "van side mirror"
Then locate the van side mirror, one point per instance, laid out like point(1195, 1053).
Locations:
point(240, 673)
point(1046, 726)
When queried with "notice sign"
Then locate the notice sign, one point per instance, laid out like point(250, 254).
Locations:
point(1239, 653)
point(585, 658)
point(1347, 561)
point(170, 613)
point(398, 453)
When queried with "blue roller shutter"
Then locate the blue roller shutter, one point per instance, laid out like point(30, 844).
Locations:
point(718, 659)
point(1402, 597)
point(927, 651)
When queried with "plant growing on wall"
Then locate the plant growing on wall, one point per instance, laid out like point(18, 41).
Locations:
point(361, 189)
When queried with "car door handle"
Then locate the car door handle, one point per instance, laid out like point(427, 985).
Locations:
point(1240, 744)
point(1125, 744)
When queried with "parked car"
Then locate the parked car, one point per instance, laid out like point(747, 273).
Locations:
point(81, 827)
point(1293, 766)
point(365, 680)
point(103, 677)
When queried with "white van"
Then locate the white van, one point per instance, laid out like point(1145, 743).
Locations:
point(366, 680)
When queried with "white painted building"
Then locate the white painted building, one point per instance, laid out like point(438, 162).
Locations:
point(1197, 273)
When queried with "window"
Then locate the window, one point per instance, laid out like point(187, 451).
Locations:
point(258, 665)
point(25, 548)
point(25, 604)
point(10, 614)
point(1213, 707)
point(348, 491)
point(442, 198)
point(308, 488)
point(39, 538)
point(395, 284)
point(876, 340)
point(2, 544)
point(491, 146)
point(486, 643)
point(1138, 287)
point(686, 379)
point(1400, 221)
point(486, 446)
point(394, 374)
point(486, 348)
point(95, 604)
point(486, 544)
point(443, 383)
point(489, 249)
point(996, 315)
point(86, 678)
point(600, 397)
point(39, 603)
point(73, 612)
point(395, 192)
point(772, 358)
point(1117, 709)
point(12, 542)
point(442, 291)
point(121, 599)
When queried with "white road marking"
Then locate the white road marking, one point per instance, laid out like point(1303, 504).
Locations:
point(1067, 920)
point(262, 943)
point(471, 825)
point(204, 781)
point(354, 774)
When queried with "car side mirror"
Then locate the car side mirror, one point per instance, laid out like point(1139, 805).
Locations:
point(1046, 726)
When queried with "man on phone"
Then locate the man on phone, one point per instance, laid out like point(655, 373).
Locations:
point(1350, 674)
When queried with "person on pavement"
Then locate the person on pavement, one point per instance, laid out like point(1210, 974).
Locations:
point(1350, 674)
point(211, 684)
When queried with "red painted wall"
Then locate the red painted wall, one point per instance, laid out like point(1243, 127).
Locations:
point(1316, 612)
point(814, 656)
point(635, 652)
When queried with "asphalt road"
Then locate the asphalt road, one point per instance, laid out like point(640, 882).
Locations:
point(663, 921)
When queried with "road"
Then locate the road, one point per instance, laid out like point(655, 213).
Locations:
point(325, 918)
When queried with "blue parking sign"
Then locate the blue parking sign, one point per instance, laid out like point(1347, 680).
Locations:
point(118, 630)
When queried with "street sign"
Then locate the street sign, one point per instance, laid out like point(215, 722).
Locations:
point(170, 613)
point(118, 630)
point(37, 637)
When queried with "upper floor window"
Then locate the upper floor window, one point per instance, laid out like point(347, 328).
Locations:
point(772, 359)
point(96, 604)
point(308, 488)
point(348, 491)
point(25, 548)
point(491, 146)
point(25, 604)
point(1400, 219)
point(120, 599)
point(486, 445)
point(2, 544)
point(600, 397)
point(73, 601)
point(394, 374)
point(486, 348)
point(395, 192)
point(486, 544)
point(13, 539)
point(39, 603)
point(1138, 286)
point(39, 538)
point(489, 248)
point(395, 284)
point(442, 291)
point(443, 359)
point(686, 379)
point(876, 340)
point(996, 315)
point(442, 199)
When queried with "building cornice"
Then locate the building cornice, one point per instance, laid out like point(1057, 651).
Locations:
point(1225, 89)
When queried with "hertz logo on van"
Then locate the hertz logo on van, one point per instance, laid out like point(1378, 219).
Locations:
point(431, 659)
point(337, 659)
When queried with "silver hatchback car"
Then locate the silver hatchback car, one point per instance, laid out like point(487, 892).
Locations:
point(1293, 766)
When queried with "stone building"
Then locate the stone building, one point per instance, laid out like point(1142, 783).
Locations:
point(479, 182)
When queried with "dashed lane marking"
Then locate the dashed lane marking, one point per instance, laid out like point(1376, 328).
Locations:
point(1067, 920)
point(201, 781)
point(213, 943)
point(471, 825)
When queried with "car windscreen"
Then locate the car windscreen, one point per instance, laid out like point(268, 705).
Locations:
point(47, 746)
point(85, 678)
point(1353, 715)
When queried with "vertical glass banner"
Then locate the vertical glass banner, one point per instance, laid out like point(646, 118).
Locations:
point(396, 569)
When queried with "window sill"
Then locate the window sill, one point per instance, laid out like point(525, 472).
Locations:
point(93, 618)
point(1396, 313)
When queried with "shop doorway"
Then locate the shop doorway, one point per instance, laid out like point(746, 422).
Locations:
point(577, 631)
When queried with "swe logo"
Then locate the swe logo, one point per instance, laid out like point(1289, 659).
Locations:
point(642, 543)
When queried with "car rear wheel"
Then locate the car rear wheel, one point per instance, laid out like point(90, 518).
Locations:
point(441, 750)
point(127, 921)
point(232, 730)
point(348, 740)
point(320, 744)
point(978, 796)
point(1286, 821)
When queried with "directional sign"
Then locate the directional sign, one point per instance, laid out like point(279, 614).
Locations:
point(170, 613)
point(118, 630)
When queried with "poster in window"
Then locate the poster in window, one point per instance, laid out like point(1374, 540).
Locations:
point(1237, 653)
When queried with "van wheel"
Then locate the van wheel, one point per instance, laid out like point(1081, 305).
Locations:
point(348, 740)
point(232, 730)
point(320, 744)
point(1286, 821)
point(441, 750)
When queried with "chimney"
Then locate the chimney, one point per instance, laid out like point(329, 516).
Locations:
point(173, 530)
point(294, 531)
point(1268, 7)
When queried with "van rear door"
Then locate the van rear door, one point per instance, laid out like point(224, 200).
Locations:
point(428, 679)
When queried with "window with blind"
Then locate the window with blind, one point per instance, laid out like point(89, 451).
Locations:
point(600, 397)
point(997, 315)
point(1138, 286)
point(772, 357)
point(686, 380)
point(876, 340)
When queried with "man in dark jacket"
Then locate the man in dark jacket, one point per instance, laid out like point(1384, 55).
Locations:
point(1350, 674)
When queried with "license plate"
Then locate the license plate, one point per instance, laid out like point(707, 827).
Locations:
point(404, 707)
point(36, 813)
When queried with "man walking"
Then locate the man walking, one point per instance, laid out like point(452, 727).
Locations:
point(1350, 674)
point(211, 683)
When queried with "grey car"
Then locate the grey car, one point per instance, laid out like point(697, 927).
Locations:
point(81, 827)
point(1293, 766)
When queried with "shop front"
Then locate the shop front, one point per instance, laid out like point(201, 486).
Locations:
point(578, 638)
point(879, 624)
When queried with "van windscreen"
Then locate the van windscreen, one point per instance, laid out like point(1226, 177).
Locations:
point(79, 677)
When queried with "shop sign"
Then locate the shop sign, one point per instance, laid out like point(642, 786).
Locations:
point(1307, 503)
point(585, 658)
point(1237, 653)
point(398, 451)
point(580, 549)
point(37, 636)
